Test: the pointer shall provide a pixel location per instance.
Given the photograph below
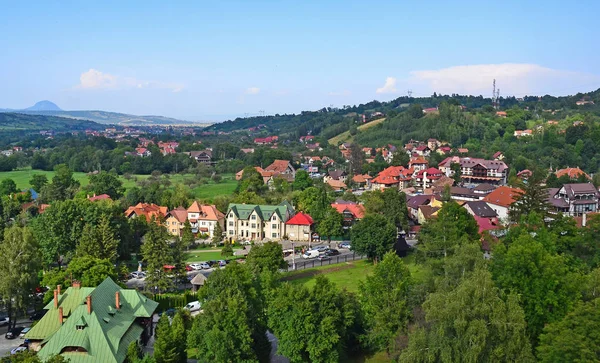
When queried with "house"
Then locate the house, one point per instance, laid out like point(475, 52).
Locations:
point(501, 199)
point(427, 212)
point(143, 152)
point(362, 180)
point(98, 197)
point(337, 185)
point(204, 218)
point(339, 175)
point(248, 151)
point(462, 150)
point(552, 122)
point(430, 110)
point(577, 123)
point(583, 102)
point(282, 168)
point(477, 171)
point(391, 177)
point(299, 227)
point(414, 202)
point(424, 179)
point(433, 144)
point(266, 140)
point(203, 156)
point(422, 150)
point(498, 155)
point(444, 150)
point(146, 210)
point(501, 114)
point(418, 163)
point(92, 324)
point(463, 194)
point(306, 139)
point(175, 221)
point(257, 222)
point(521, 133)
point(572, 173)
point(524, 174)
point(574, 199)
point(480, 209)
point(369, 151)
point(312, 159)
point(265, 175)
point(484, 189)
point(351, 212)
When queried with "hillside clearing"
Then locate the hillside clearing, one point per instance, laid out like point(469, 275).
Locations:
point(346, 137)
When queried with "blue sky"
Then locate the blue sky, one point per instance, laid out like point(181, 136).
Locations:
point(201, 60)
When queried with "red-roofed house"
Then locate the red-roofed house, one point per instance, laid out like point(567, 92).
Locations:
point(422, 150)
point(98, 197)
point(142, 151)
point(501, 199)
point(391, 177)
point(521, 133)
point(266, 140)
point(572, 173)
point(204, 218)
point(351, 212)
point(498, 155)
point(444, 150)
point(147, 211)
point(418, 163)
point(299, 227)
point(425, 178)
point(501, 114)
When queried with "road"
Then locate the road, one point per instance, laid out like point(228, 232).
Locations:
point(7, 344)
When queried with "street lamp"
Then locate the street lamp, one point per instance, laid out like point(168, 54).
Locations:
point(293, 257)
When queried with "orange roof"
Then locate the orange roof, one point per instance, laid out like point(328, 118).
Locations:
point(503, 196)
point(99, 197)
point(337, 184)
point(357, 210)
point(147, 210)
point(194, 208)
point(301, 219)
point(573, 173)
point(278, 166)
point(361, 178)
point(418, 160)
point(178, 213)
point(210, 212)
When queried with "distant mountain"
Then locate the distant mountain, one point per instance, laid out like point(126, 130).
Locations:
point(19, 123)
point(44, 106)
point(48, 108)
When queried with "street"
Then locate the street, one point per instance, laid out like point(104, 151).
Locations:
point(7, 344)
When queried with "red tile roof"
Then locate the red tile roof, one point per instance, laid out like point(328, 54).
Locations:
point(278, 166)
point(573, 173)
point(357, 210)
point(503, 196)
point(179, 213)
point(301, 219)
point(99, 197)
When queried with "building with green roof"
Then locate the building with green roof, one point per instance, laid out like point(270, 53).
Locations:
point(257, 222)
point(86, 324)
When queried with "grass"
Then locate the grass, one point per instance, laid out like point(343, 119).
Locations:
point(210, 255)
point(204, 192)
point(346, 137)
point(348, 275)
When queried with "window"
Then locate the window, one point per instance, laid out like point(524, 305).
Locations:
point(231, 231)
point(253, 225)
point(230, 223)
point(253, 217)
point(274, 218)
point(274, 235)
point(203, 223)
point(274, 226)
point(230, 215)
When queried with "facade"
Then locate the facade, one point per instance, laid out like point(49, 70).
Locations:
point(424, 179)
point(203, 157)
point(574, 199)
point(350, 211)
point(204, 218)
point(501, 199)
point(175, 221)
point(87, 324)
point(299, 227)
point(257, 222)
point(476, 171)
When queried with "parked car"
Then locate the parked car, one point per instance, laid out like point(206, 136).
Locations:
point(332, 252)
point(4, 320)
point(196, 266)
point(193, 306)
point(321, 248)
point(14, 332)
point(310, 254)
point(323, 258)
point(37, 315)
point(169, 312)
point(211, 263)
point(19, 349)
point(188, 268)
point(204, 266)
point(222, 263)
point(137, 275)
point(344, 245)
point(23, 332)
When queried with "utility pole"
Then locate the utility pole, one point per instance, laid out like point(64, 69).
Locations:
point(409, 92)
point(293, 257)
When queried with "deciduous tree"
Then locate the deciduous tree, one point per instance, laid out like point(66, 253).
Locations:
point(268, 257)
point(331, 225)
point(106, 183)
point(373, 236)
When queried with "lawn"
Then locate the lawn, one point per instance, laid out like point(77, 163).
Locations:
point(348, 274)
point(346, 137)
point(204, 192)
point(207, 255)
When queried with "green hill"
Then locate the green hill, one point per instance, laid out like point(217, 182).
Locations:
point(19, 122)
point(114, 118)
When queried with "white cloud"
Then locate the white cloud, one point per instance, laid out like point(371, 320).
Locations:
point(389, 86)
point(512, 78)
point(95, 79)
point(340, 93)
point(252, 91)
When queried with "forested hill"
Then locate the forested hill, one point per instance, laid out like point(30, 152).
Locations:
point(19, 123)
point(111, 118)
point(328, 122)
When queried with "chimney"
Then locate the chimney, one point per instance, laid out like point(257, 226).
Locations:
point(58, 287)
point(117, 300)
point(55, 298)
point(76, 284)
point(60, 315)
point(89, 303)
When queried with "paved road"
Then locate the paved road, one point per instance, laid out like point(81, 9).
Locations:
point(7, 344)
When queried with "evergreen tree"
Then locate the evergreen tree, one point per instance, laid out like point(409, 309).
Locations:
point(227, 250)
point(532, 199)
point(156, 254)
point(134, 352)
point(217, 234)
point(165, 345)
point(187, 236)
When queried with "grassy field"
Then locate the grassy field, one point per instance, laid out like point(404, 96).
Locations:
point(346, 137)
point(206, 255)
point(205, 191)
point(347, 275)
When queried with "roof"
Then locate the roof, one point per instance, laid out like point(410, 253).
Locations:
point(418, 200)
point(361, 178)
point(99, 197)
point(481, 209)
point(336, 184)
point(467, 162)
point(497, 154)
point(503, 196)
point(485, 224)
point(428, 211)
point(418, 160)
point(279, 166)
point(199, 279)
point(357, 210)
point(484, 188)
point(336, 174)
point(147, 210)
point(579, 188)
point(178, 213)
point(265, 212)
point(572, 173)
point(105, 334)
point(301, 219)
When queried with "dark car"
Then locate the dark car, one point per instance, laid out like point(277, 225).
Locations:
point(14, 332)
point(169, 312)
point(332, 252)
point(37, 315)
point(323, 258)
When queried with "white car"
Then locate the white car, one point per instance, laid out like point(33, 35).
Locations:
point(4, 320)
point(193, 306)
point(204, 266)
point(311, 254)
point(18, 349)
point(138, 275)
point(196, 266)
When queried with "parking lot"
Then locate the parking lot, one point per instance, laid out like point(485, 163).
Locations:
point(7, 344)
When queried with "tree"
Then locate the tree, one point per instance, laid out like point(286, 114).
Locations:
point(99, 242)
point(547, 285)
point(106, 183)
point(302, 180)
point(20, 269)
point(400, 158)
point(251, 181)
point(373, 236)
point(268, 257)
point(38, 181)
point(384, 298)
point(475, 322)
point(217, 234)
point(187, 236)
point(178, 259)
point(356, 159)
point(232, 326)
point(63, 185)
point(533, 199)
point(134, 352)
point(165, 345)
point(8, 186)
point(456, 175)
point(90, 271)
point(331, 225)
point(156, 254)
point(574, 338)
point(227, 250)
point(314, 325)
point(314, 202)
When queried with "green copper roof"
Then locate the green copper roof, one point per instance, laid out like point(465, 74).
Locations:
point(103, 335)
point(243, 211)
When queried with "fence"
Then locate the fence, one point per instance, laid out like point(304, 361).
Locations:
point(302, 263)
point(166, 301)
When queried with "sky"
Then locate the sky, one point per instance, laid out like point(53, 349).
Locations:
point(214, 60)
